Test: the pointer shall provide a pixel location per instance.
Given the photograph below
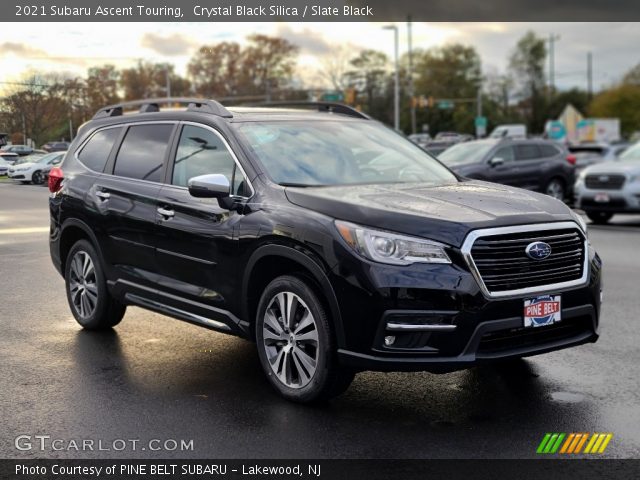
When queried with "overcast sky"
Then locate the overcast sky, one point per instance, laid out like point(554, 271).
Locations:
point(73, 47)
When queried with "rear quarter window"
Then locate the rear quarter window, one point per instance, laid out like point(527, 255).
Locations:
point(548, 150)
point(96, 151)
point(143, 151)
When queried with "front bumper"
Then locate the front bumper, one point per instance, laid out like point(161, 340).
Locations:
point(625, 200)
point(458, 326)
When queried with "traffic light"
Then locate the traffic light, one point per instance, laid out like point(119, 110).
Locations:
point(350, 96)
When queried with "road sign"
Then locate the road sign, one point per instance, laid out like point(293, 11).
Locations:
point(481, 126)
point(332, 97)
point(445, 104)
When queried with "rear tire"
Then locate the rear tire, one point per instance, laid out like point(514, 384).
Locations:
point(90, 302)
point(599, 218)
point(556, 189)
point(296, 343)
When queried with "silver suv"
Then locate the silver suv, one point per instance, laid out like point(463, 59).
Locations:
point(608, 188)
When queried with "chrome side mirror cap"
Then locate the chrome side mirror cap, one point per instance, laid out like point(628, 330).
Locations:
point(209, 186)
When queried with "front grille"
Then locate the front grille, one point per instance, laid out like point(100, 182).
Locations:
point(605, 182)
point(503, 264)
point(515, 338)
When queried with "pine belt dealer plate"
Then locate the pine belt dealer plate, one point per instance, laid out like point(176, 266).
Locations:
point(541, 311)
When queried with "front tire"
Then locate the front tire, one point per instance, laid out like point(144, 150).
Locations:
point(37, 178)
point(599, 218)
point(91, 304)
point(295, 343)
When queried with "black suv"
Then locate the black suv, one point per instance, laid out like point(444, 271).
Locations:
point(328, 239)
point(539, 165)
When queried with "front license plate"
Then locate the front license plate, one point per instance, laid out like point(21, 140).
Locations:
point(602, 198)
point(540, 311)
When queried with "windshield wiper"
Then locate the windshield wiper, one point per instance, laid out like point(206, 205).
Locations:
point(299, 185)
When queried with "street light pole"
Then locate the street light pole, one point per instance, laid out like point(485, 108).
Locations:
point(552, 61)
point(396, 90)
point(410, 73)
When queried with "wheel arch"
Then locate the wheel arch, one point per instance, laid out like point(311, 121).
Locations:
point(270, 261)
point(73, 230)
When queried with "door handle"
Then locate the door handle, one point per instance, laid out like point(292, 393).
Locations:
point(103, 195)
point(166, 213)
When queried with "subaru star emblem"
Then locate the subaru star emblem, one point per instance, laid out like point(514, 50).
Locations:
point(603, 178)
point(538, 250)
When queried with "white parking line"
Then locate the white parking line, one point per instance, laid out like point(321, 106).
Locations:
point(18, 231)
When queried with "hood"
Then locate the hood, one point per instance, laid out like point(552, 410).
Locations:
point(28, 165)
point(614, 167)
point(445, 213)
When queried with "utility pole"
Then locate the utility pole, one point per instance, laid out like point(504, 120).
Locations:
point(396, 90)
point(24, 130)
point(168, 80)
point(589, 75)
point(410, 73)
point(552, 62)
point(480, 131)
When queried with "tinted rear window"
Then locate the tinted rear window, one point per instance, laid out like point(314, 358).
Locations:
point(142, 152)
point(95, 153)
point(548, 150)
point(527, 152)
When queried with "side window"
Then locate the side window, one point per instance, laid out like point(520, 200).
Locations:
point(95, 153)
point(548, 150)
point(142, 152)
point(527, 151)
point(505, 153)
point(201, 152)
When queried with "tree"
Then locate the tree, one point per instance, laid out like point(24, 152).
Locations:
point(148, 79)
point(621, 102)
point(368, 74)
point(217, 71)
point(527, 68)
point(101, 87)
point(452, 72)
point(226, 69)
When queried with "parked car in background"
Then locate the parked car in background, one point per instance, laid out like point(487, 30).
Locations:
point(451, 137)
point(515, 130)
point(4, 166)
point(19, 149)
point(590, 153)
point(36, 167)
point(537, 165)
point(609, 188)
point(436, 148)
point(420, 139)
point(9, 157)
point(55, 146)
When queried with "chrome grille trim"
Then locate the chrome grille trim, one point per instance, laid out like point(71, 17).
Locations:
point(539, 227)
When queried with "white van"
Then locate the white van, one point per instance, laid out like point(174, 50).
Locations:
point(515, 130)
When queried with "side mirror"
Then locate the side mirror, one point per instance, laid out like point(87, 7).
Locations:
point(209, 186)
point(495, 161)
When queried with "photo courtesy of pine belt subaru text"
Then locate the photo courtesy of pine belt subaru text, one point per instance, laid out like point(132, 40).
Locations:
point(332, 242)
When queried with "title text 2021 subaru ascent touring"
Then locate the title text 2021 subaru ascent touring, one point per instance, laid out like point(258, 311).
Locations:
point(325, 237)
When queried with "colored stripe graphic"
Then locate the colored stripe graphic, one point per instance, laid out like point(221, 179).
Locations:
point(573, 443)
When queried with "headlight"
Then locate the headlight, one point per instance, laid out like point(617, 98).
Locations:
point(390, 248)
point(634, 178)
point(582, 175)
point(580, 221)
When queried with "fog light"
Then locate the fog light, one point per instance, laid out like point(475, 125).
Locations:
point(389, 340)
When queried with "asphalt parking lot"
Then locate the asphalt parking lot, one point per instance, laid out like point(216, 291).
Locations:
point(157, 378)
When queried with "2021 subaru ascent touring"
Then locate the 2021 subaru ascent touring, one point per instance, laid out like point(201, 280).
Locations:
point(325, 237)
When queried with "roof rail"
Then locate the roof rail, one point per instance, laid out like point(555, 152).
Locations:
point(153, 105)
point(330, 107)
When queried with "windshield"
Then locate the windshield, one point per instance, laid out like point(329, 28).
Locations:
point(464, 153)
point(323, 153)
point(47, 158)
point(33, 158)
point(632, 154)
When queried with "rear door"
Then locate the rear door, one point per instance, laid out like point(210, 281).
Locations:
point(196, 248)
point(529, 162)
point(125, 198)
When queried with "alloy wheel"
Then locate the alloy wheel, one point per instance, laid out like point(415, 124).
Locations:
point(82, 284)
point(290, 339)
point(555, 190)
